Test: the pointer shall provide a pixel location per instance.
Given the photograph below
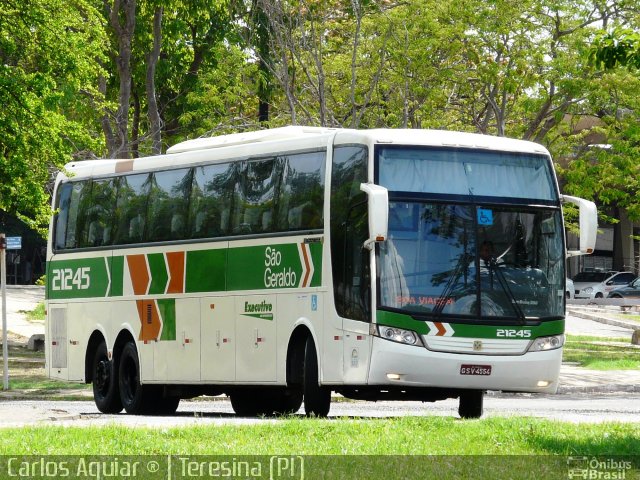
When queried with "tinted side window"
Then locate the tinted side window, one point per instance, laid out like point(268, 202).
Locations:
point(301, 192)
point(256, 210)
point(80, 193)
point(168, 205)
point(131, 207)
point(212, 195)
point(63, 202)
point(349, 224)
point(99, 214)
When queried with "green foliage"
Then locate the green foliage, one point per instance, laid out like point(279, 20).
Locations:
point(529, 69)
point(619, 47)
point(49, 52)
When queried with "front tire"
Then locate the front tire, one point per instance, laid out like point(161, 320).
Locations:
point(105, 382)
point(317, 399)
point(134, 396)
point(471, 404)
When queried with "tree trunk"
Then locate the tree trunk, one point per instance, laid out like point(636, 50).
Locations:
point(155, 126)
point(124, 34)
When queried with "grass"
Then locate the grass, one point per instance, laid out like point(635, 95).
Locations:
point(601, 353)
point(35, 315)
point(340, 436)
point(633, 318)
point(27, 379)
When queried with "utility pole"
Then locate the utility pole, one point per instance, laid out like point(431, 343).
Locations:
point(3, 279)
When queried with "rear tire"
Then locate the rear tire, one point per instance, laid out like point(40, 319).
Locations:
point(599, 295)
point(317, 399)
point(471, 404)
point(165, 406)
point(249, 403)
point(135, 397)
point(105, 382)
point(287, 401)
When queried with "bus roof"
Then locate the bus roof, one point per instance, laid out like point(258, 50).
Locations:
point(249, 144)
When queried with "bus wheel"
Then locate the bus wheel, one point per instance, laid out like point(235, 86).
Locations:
point(165, 406)
point(133, 395)
point(317, 399)
point(248, 403)
point(105, 382)
point(287, 401)
point(471, 404)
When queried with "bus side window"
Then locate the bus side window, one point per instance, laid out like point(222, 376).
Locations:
point(210, 202)
point(349, 225)
point(168, 204)
point(131, 207)
point(75, 226)
point(62, 216)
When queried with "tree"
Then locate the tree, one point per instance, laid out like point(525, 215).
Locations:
point(617, 48)
point(49, 53)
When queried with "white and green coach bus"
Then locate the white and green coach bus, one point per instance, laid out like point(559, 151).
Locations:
point(283, 265)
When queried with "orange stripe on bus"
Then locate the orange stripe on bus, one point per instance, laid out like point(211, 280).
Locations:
point(175, 261)
point(150, 324)
point(305, 282)
point(139, 273)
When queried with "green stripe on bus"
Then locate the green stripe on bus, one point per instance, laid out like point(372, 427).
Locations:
point(78, 278)
point(158, 273)
point(167, 309)
point(465, 330)
point(117, 273)
point(316, 258)
point(260, 267)
point(205, 271)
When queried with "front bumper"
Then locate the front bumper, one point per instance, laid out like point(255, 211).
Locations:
point(410, 366)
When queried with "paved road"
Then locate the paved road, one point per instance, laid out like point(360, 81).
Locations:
point(570, 408)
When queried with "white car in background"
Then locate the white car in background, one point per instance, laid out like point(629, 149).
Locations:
point(569, 289)
point(598, 284)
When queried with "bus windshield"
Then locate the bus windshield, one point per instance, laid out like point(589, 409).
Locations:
point(439, 261)
point(474, 259)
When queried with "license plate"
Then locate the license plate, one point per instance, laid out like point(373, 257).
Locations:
point(475, 369)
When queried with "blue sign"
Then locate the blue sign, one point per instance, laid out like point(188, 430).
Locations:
point(314, 303)
point(14, 243)
point(485, 217)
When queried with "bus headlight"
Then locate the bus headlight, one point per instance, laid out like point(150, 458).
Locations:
point(399, 335)
point(542, 344)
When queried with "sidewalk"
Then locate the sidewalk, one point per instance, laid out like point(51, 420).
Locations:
point(23, 298)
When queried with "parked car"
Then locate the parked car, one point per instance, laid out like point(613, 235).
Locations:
point(598, 284)
point(632, 290)
point(569, 289)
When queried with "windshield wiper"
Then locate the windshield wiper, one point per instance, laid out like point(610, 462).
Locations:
point(493, 266)
point(442, 300)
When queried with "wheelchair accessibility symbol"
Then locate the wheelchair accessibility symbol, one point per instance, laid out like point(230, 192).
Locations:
point(485, 216)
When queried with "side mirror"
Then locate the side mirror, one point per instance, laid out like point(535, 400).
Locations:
point(588, 225)
point(378, 212)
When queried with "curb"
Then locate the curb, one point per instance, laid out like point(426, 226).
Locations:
point(601, 319)
point(589, 389)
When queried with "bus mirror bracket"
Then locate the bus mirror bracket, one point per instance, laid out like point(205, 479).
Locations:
point(378, 213)
point(588, 225)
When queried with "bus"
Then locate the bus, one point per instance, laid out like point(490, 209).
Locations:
point(288, 265)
